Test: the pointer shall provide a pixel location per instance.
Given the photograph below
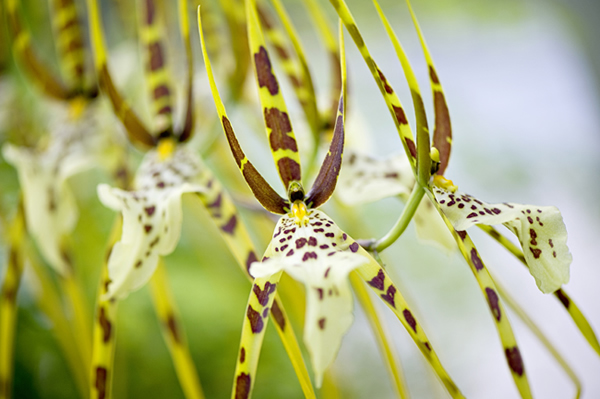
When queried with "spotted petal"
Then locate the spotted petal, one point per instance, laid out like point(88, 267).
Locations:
point(151, 217)
point(540, 229)
point(50, 207)
point(321, 256)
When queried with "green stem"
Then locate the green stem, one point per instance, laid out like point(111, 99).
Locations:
point(407, 214)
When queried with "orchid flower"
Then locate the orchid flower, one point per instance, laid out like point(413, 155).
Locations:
point(540, 230)
point(152, 213)
point(77, 140)
point(306, 243)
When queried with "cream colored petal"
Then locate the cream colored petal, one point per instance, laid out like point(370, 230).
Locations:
point(540, 229)
point(365, 179)
point(321, 256)
point(152, 218)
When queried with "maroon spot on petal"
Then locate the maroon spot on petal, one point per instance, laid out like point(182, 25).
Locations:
point(529, 219)
point(411, 147)
point(105, 325)
point(322, 323)
point(472, 215)
point(243, 383)
point(319, 230)
point(149, 11)
point(400, 115)
point(327, 271)
point(160, 184)
point(290, 252)
point(492, 299)
point(147, 228)
point(461, 205)
point(354, 246)
point(309, 255)
point(433, 76)
point(230, 226)
point(150, 210)
point(564, 299)
point(100, 383)
point(386, 85)
point(320, 292)
point(513, 356)
point(300, 242)
point(410, 319)
point(324, 246)
point(427, 345)
point(251, 259)
point(289, 170)
point(160, 91)
point(155, 56)
point(344, 236)
point(138, 264)
point(533, 236)
point(536, 252)
point(476, 260)
point(496, 211)
point(256, 322)
point(264, 73)
point(278, 315)
point(389, 296)
point(242, 355)
point(265, 312)
point(312, 241)
point(172, 326)
point(378, 281)
point(550, 243)
point(263, 295)
point(279, 123)
point(391, 175)
point(217, 202)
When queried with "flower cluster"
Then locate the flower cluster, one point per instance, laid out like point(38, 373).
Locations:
point(155, 175)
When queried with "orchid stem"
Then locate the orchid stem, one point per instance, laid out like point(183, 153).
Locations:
point(8, 302)
point(407, 214)
point(174, 335)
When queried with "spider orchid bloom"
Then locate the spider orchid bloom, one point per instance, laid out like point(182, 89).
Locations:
point(77, 140)
point(151, 209)
point(306, 243)
point(540, 230)
point(50, 207)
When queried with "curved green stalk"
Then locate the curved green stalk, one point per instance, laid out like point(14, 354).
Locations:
point(402, 223)
point(174, 334)
point(8, 301)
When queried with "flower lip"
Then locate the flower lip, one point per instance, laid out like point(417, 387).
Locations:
point(300, 212)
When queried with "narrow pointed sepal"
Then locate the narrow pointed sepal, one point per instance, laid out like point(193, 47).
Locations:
point(540, 229)
point(280, 133)
point(262, 191)
point(152, 217)
point(326, 180)
point(321, 256)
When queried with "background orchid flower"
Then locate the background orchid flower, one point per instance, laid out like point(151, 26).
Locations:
point(549, 258)
point(76, 140)
point(306, 243)
point(152, 208)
